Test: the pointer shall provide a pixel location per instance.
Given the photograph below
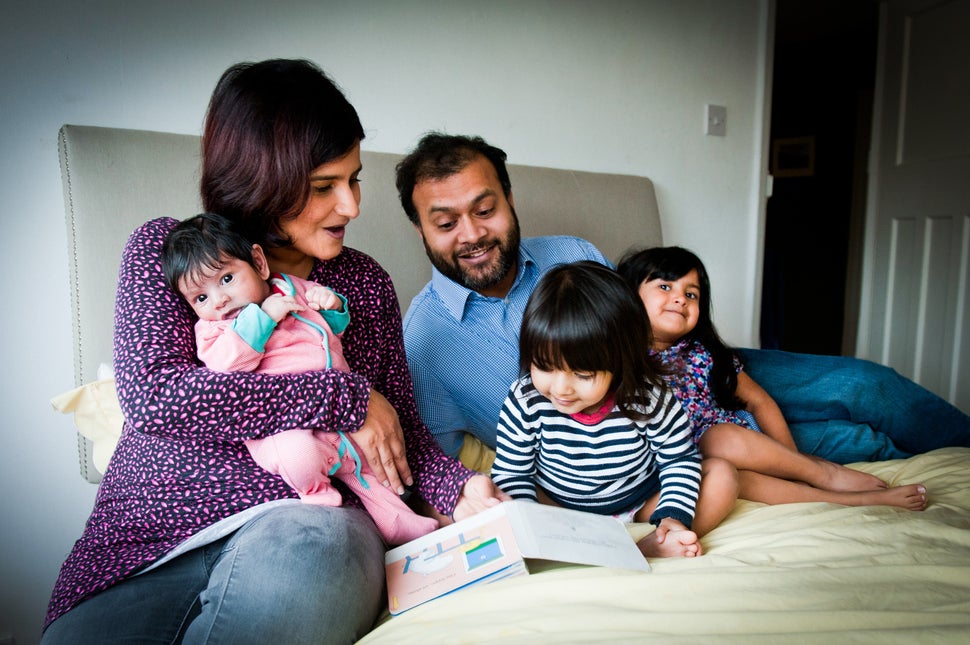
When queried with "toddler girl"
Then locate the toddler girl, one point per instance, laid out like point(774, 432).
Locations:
point(590, 426)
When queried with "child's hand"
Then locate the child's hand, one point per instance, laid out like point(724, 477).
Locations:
point(478, 494)
point(321, 298)
point(278, 306)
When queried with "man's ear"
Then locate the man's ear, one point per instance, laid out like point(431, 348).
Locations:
point(417, 228)
point(259, 261)
point(511, 199)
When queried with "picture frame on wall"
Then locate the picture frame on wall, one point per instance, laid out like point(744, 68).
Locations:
point(793, 157)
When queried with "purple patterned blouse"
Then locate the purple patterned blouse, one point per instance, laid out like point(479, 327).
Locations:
point(181, 464)
point(690, 383)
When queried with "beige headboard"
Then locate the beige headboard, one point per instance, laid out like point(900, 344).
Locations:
point(116, 179)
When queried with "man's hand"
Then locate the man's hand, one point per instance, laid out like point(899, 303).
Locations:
point(381, 439)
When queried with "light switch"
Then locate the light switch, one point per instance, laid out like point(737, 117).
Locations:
point(716, 120)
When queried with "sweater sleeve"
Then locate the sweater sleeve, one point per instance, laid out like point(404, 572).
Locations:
point(234, 345)
point(678, 462)
point(337, 319)
point(164, 390)
point(516, 439)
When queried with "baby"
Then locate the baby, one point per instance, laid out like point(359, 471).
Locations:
point(253, 320)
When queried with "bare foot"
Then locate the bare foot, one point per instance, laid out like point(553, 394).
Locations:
point(675, 544)
point(841, 479)
point(911, 497)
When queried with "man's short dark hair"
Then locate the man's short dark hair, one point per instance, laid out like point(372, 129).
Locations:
point(438, 156)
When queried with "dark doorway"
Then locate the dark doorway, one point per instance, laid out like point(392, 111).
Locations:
point(824, 74)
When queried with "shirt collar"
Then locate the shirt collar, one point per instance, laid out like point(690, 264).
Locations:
point(455, 297)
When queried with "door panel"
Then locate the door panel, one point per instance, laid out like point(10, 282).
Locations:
point(915, 312)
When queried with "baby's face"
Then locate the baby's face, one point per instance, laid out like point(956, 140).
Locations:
point(222, 293)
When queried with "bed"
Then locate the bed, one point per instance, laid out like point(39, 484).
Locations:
point(788, 573)
point(794, 573)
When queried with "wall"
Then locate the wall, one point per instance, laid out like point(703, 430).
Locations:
point(611, 86)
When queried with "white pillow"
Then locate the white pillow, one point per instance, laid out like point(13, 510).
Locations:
point(97, 415)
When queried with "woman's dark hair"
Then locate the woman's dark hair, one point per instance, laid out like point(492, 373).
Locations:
point(199, 243)
point(673, 263)
point(269, 124)
point(585, 317)
point(439, 156)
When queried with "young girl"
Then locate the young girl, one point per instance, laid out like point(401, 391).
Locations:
point(590, 426)
point(726, 405)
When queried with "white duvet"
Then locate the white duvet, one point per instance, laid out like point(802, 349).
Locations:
point(794, 573)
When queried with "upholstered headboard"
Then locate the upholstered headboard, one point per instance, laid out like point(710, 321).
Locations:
point(116, 179)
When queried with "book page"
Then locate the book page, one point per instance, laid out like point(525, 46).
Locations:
point(552, 533)
point(479, 549)
point(492, 546)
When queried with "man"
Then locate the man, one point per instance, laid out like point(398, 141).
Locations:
point(461, 331)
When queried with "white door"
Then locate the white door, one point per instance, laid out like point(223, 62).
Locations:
point(915, 309)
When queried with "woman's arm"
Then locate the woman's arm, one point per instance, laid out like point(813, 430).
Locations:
point(439, 478)
point(373, 345)
point(765, 411)
point(164, 390)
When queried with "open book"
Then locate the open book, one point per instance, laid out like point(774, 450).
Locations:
point(494, 545)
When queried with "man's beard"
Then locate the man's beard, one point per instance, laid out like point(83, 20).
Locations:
point(481, 278)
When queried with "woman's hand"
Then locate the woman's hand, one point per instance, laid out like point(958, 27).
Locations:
point(478, 494)
point(381, 439)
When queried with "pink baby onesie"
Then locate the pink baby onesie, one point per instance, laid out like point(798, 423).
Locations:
point(306, 459)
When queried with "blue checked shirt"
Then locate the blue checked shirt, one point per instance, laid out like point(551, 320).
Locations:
point(463, 348)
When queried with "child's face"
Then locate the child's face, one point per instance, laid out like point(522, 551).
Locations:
point(571, 392)
point(223, 293)
point(673, 307)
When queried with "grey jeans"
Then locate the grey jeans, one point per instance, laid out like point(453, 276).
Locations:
point(298, 573)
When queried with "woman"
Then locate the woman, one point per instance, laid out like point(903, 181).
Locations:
point(189, 539)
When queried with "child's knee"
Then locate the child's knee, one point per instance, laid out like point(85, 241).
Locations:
point(724, 439)
point(720, 472)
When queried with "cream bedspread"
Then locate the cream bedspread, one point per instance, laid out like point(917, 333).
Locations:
point(794, 573)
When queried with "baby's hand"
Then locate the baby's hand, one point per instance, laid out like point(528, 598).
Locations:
point(321, 298)
point(278, 306)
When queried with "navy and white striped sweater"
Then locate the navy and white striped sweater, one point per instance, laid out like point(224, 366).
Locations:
point(606, 467)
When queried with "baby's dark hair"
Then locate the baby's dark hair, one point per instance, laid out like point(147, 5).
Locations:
point(199, 243)
point(584, 316)
point(673, 263)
